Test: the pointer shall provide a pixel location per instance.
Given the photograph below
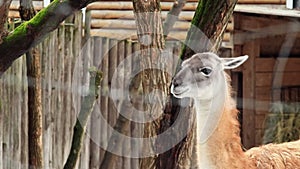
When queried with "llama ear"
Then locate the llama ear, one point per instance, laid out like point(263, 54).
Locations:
point(231, 63)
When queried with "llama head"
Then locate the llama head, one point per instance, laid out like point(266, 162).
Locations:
point(202, 75)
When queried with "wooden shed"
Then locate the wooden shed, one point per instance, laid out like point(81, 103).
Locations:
point(270, 35)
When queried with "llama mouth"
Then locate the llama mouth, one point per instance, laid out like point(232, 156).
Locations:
point(178, 93)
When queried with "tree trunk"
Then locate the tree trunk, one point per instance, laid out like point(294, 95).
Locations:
point(35, 122)
point(149, 84)
point(152, 79)
point(208, 25)
point(35, 145)
point(4, 8)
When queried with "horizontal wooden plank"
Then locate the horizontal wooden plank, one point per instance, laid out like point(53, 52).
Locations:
point(128, 14)
point(125, 20)
point(124, 34)
point(274, 45)
point(130, 24)
point(189, 6)
point(239, 1)
point(38, 5)
point(262, 106)
point(261, 1)
point(282, 64)
point(276, 10)
point(123, 5)
point(161, 1)
point(267, 25)
point(280, 79)
point(131, 33)
point(13, 14)
point(263, 93)
point(262, 112)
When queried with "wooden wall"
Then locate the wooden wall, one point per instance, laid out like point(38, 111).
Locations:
point(115, 19)
point(272, 44)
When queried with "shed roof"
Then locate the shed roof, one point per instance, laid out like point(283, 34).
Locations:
point(267, 9)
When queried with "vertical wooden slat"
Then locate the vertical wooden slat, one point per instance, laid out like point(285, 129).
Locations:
point(136, 129)
point(18, 112)
point(252, 49)
point(50, 119)
point(104, 94)
point(6, 149)
point(113, 52)
point(95, 117)
point(72, 96)
point(1, 120)
point(76, 60)
point(24, 117)
point(12, 115)
point(3, 117)
point(86, 54)
point(55, 103)
point(60, 68)
point(128, 68)
point(125, 162)
point(46, 93)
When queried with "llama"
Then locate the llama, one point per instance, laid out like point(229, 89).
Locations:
point(203, 79)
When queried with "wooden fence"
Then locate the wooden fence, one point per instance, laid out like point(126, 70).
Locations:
point(65, 59)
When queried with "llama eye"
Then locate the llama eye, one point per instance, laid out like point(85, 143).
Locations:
point(206, 71)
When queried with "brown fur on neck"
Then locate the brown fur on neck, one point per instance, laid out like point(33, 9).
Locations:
point(224, 146)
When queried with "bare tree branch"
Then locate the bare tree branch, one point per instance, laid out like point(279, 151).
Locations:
point(86, 109)
point(172, 16)
point(35, 30)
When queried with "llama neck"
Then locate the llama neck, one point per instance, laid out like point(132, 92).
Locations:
point(218, 141)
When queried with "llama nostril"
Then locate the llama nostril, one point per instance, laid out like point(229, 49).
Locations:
point(177, 82)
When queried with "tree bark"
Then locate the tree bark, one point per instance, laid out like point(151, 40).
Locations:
point(86, 109)
point(149, 79)
point(35, 126)
point(152, 76)
point(208, 25)
point(4, 8)
point(35, 142)
point(172, 16)
point(211, 18)
point(31, 32)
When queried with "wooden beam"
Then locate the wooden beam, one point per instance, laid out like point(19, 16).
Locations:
point(263, 93)
point(267, 65)
point(261, 1)
point(130, 24)
point(128, 14)
point(123, 5)
point(275, 10)
point(132, 34)
point(38, 5)
point(252, 49)
point(277, 79)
